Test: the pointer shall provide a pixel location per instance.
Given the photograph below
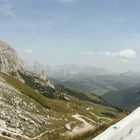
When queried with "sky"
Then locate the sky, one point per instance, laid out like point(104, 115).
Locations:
point(102, 33)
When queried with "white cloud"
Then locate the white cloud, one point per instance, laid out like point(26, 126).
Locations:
point(124, 54)
point(28, 51)
point(7, 10)
point(89, 53)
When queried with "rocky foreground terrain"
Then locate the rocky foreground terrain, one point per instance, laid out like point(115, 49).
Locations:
point(20, 116)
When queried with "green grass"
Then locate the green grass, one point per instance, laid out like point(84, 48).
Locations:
point(4, 138)
point(56, 105)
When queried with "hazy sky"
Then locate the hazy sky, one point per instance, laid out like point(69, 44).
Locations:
point(102, 33)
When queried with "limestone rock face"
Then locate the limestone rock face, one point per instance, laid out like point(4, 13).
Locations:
point(9, 60)
point(11, 64)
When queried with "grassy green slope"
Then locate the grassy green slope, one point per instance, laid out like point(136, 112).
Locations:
point(25, 89)
point(60, 90)
point(127, 99)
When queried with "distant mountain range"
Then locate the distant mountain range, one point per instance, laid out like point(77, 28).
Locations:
point(67, 71)
point(128, 99)
point(72, 71)
point(87, 78)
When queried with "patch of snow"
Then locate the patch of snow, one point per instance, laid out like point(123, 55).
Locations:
point(127, 129)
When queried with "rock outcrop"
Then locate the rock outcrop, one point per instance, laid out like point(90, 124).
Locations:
point(9, 61)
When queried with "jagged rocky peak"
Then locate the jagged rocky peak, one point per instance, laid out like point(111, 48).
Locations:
point(11, 64)
point(9, 60)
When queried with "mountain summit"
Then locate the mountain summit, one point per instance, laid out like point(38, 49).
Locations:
point(9, 60)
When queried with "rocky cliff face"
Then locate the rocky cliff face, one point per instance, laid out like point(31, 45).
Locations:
point(11, 64)
point(9, 60)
